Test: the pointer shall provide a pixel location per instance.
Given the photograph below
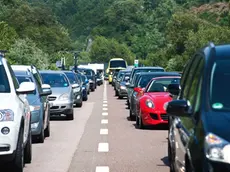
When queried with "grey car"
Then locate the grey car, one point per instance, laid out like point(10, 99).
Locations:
point(39, 105)
point(62, 98)
point(120, 75)
point(122, 86)
point(75, 80)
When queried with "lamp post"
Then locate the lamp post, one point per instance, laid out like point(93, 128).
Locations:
point(75, 61)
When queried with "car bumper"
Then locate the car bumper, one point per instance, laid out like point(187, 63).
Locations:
point(151, 117)
point(123, 92)
point(8, 142)
point(61, 107)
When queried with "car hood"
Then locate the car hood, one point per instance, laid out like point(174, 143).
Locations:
point(218, 123)
point(60, 90)
point(159, 99)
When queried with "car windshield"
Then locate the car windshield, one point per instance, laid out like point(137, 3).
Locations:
point(120, 75)
point(144, 80)
point(4, 83)
point(71, 77)
point(160, 85)
point(117, 64)
point(124, 76)
point(55, 79)
point(219, 85)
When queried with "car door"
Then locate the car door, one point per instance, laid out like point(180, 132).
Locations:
point(184, 126)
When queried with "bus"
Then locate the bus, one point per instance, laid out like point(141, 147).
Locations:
point(115, 64)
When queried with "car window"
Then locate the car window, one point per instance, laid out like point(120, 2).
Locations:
point(72, 78)
point(219, 85)
point(27, 79)
point(144, 80)
point(117, 63)
point(55, 79)
point(160, 85)
point(15, 82)
point(188, 80)
point(4, 82)
point(191, 96)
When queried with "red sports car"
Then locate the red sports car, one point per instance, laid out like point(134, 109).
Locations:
point(151, 105)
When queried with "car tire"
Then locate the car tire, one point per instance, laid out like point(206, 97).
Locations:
point(137, 120)
point(47, 130)
point(130, 115)
point(85, 98)
point(116, 93)
point(28, 149)
point(92, 89)
point(79, 104)
point(120, 97)
point(70, 116)
point(41, 136)
point(18, 163)
point(88, 92)
point(140, 123)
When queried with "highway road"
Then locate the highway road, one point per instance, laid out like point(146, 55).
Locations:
point(101, 139)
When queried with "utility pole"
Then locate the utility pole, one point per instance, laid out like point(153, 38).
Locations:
point(75, 61)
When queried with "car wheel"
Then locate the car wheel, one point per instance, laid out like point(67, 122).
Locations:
point(70, 116)
point(88, 92)
point(41, 136)
point(137, 120)
point(92, 89)
point(116, 93)
point(85, 98)
point(140, 124)
point(28, 149)
point(120, 97)
point(170, 158)
point(130, 115)
point(18, 163)
point(79, 104)
point(47, 130)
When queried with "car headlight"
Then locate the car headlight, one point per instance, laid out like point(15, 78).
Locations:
point(75, 90)
point(122, 87)
point(149, 103)
point(64, 97)
point(6, 115)
point(34, 108)
point(165, 106)
point(217, 149)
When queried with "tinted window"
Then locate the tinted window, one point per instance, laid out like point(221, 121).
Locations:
point(71, 77)
point(23, 79)
point(125, 75)
point(55, 79)
point(15, 82)
point(117, 64)
point(219, 85)
point(4, 83)
point(160, 85)
point(144, 80)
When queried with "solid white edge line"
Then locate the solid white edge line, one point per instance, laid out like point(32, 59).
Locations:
point(103, 147)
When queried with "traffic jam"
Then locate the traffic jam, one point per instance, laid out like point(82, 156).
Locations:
point(152, 98)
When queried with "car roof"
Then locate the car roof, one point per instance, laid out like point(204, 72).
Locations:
point(148, 67)
point(51, 71)
point(116, 59)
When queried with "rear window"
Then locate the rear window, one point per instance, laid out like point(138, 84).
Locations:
point(72, 78)
point(144, 80)
point(55, 79)
point(23, 79)
point(117, 64)
point(160, 85)
point(4, 82)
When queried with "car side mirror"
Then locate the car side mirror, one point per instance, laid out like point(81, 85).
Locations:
point(26, 88)
point(174, 89)
point(46, 90)
point(75, 85)
point(179, 108)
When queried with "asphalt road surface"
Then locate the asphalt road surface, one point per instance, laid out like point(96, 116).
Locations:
point(100, 139)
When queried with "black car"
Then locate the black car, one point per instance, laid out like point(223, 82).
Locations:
point(99, 79)
point(114, 78)
point(91, 76)
point(199, 138)
point(142, 79)
point(73, 79)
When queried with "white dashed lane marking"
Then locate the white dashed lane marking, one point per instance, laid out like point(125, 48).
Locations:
point(105, 101)
point(104, 131)
point(103, 147)
point(104, 121)
point(104, 109)
point(105, 105)
point(102, 169)
point(104, 113)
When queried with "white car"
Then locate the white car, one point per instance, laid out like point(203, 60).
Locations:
point(15, 118)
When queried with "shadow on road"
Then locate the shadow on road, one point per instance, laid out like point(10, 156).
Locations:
point(58, 118)
point(165, 160)
point(159, 127)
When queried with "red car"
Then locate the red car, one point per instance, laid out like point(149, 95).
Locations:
point(152, 101)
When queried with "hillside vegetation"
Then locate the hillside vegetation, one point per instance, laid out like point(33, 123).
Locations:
point(157, 32)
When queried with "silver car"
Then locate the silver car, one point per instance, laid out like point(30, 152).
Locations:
point(62, 97)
